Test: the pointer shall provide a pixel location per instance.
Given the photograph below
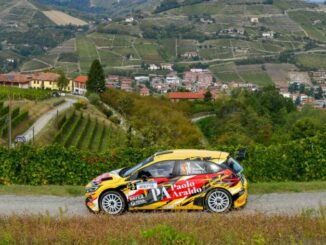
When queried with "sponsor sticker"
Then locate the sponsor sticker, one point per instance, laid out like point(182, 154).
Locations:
point(146, 185)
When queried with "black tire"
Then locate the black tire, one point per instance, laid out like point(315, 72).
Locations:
point(112, 202)
point(218, 201)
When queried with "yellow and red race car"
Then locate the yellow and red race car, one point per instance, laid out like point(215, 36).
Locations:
point(176, 179)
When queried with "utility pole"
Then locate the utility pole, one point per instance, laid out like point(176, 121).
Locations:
point(9, 118)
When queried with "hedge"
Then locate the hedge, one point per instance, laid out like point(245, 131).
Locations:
point(302, 160)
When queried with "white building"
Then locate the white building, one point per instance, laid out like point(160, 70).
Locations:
point(269, 34)
point(153, 67)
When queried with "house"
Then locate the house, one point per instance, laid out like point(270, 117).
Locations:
point(166, 66)
point(190, 96)
point(144, 91)
point(126, 84)
point(80, 85)
point(206, 21)
point(269, 34)
point(142, 78)
point(48, 80)
point(200, 79)
point(153, 67)
point(189, 55)
point(323, 88)
point(172, 78)
point(113, 78)
point(129, 19)
point(254, 20)
point(15, 80)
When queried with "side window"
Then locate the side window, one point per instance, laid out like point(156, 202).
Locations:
point(160, 169)
point(194, 167)
point(188, 167)
point(213, 168)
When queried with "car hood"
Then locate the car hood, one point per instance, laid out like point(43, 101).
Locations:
point(113, 175)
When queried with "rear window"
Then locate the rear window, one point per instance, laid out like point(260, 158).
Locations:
point(234, 165)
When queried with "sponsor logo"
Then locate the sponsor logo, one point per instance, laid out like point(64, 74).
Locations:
point(138, 202)
point(146, 185)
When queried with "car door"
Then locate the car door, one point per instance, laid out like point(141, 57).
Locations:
point(149, 187)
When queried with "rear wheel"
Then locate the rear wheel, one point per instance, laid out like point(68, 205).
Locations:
point(112, 202)
point(218, 201)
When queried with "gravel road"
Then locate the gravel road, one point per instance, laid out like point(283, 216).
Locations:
point(42, 121)
point(285, 203)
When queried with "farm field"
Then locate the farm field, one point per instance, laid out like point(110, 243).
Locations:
point(249, 73)
point(312, 60)
point(312, 22)
point(24, 114)
point(61, 18)
point(83, 131)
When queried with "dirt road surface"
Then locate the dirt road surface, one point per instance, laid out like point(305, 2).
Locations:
point(278, 203)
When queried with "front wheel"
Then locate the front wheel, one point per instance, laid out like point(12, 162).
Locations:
point(218, 201)
point(112, 202)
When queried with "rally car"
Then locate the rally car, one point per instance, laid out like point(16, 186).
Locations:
point(176, 179)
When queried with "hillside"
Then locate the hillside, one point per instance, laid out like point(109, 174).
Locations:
point(25, 31)
point(226, 36)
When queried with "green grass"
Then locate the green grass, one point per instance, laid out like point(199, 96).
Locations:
point(254, 188)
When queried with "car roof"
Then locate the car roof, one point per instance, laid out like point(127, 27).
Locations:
point(190, 154)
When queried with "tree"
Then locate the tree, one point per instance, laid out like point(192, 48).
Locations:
point(96, 78)
point(62, 81)
point(208, 96)
point(304, 128)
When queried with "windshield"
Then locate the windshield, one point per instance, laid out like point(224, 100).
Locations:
point(138, 166)
point(234, 165)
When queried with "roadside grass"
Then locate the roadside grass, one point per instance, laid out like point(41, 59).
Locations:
point(164, 228)
point(272, 187)
point(70, 190)
point(44, 190)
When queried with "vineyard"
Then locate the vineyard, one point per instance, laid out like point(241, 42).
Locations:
point(84, 132)
point(20, 93)
point(17, 116)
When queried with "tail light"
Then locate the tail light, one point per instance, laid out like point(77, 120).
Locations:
point(231, 180)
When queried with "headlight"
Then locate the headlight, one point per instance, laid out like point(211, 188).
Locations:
point(93, 186)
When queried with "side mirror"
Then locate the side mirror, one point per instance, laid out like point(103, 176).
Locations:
point(241, 154)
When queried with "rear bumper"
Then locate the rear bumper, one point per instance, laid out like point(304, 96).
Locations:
point(240, 199)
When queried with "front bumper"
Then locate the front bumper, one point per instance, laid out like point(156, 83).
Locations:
point(92, 203)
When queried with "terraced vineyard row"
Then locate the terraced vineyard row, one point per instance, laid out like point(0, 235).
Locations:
point(85, 132)
point(17, 116)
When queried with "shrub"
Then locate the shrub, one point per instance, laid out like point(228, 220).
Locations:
point(80, 104)
point(302, 160)
point(94, 98)
point(115, 120)
point(55, 104)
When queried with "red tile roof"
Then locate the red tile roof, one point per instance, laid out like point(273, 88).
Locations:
point(15, 78)
point(186, 95)
point(81, 79)
point(46, 76)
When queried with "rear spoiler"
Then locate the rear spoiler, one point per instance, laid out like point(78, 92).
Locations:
point(241, 154)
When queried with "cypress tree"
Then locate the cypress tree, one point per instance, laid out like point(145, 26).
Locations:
point(96, 78)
